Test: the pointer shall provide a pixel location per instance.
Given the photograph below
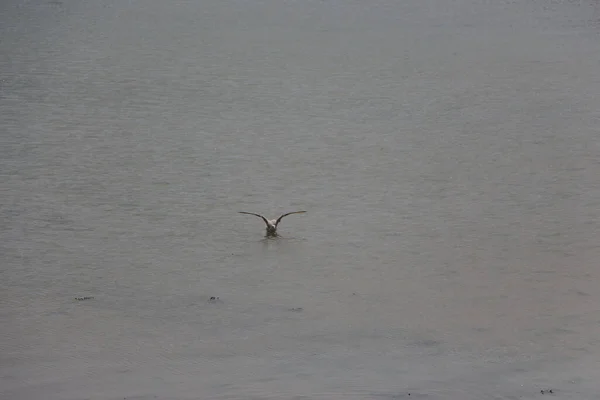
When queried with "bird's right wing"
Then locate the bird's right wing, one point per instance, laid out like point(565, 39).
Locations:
point(285, 215)
point(258, 215)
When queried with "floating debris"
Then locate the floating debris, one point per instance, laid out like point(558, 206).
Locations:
point(84, 298)
point(546, 391)
point(297, 309)
point(213, 298)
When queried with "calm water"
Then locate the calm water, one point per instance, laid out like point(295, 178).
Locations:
point(447, 153)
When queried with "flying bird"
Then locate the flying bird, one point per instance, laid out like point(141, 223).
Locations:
point(271, 230)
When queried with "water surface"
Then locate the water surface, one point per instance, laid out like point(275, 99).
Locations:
point(447, 153)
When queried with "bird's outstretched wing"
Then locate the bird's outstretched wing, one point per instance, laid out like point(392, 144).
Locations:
point(258, 215)
point(285, 215)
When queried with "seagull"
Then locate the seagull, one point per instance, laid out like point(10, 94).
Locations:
point(272, 223)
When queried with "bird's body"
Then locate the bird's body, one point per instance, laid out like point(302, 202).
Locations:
point(271, 229)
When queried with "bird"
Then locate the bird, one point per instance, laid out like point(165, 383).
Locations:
point(271, 230)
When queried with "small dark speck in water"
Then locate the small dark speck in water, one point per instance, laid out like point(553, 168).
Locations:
point(398, 396)
point(84, 298)
point(213, 298)
point(296, 309)
point(546, 391)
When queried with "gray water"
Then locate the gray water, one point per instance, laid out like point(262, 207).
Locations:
point(447, 153)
